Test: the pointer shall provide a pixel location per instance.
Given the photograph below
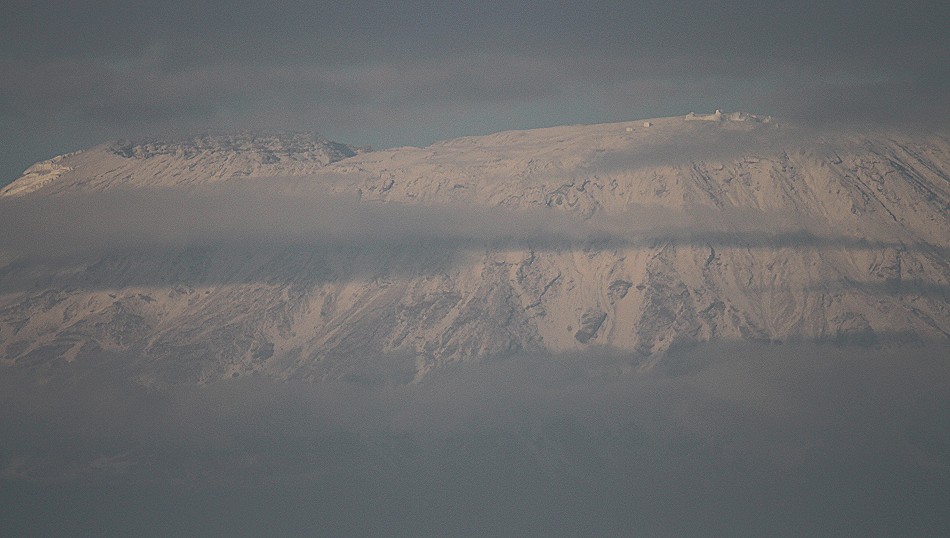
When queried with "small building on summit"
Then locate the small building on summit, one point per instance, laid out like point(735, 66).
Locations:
point(717, 116)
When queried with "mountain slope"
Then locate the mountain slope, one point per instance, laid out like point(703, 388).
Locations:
point(729, 229)
point(204, 159)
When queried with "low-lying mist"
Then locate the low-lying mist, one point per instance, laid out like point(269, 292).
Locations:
point(251, 216)
point(290, 211)
point(727, 439)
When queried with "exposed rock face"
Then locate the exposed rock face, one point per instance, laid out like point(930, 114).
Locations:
point(850, 244)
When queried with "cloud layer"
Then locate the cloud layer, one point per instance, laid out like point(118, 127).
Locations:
point(249, 216)
point(733, 439)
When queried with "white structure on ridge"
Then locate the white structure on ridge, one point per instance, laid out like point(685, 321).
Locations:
point(692, 116)
point(732, 116)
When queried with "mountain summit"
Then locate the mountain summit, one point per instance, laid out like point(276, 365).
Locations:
point(632, 237)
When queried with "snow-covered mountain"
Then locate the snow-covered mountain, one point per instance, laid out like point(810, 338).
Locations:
point(719, 227)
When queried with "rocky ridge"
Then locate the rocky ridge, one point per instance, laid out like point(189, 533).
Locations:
point(199, 160)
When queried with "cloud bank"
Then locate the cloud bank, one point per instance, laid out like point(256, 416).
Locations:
point(159, 236)
point(734, 439)
point(291, 212)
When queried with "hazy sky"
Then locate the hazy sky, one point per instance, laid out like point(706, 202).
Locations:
point(408, 73)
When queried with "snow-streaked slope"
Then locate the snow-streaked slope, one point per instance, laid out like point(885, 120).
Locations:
point(39, 175)
point(204, 159)
point(728, 230)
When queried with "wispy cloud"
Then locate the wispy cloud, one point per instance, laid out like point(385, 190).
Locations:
point(155, 235)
